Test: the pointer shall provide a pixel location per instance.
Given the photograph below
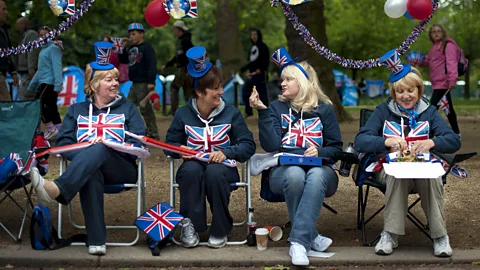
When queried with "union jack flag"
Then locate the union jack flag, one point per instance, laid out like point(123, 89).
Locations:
point(68, 95)
point(279, 59)
point(393, 63)
point(103, 56)
point(117, 45)
point(159, 221)
point(443, 103)
point(392, 129)
point(227, 162)
point(215, 138)
point(304, 133)
point(459, 171)
point(70, 10)
point(106, 126)
point(419, 133)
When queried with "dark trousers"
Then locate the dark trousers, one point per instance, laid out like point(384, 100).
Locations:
point(198, 179)
point(182, 80)
point(86, 174)
point(452, 116)
point(259, 82)
point(49, 104)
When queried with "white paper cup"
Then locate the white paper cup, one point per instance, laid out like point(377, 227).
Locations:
point(262, 238)
point(274, 232)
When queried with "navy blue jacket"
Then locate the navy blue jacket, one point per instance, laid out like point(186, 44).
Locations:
point(225, 130)
point(70, 132)
point(319, 128)
point(386, 120)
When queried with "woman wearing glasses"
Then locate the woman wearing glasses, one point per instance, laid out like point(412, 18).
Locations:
point(442, 60)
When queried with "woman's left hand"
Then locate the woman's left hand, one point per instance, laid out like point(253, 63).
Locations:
point(216, 157)
point(312, 151)
point(423, 146)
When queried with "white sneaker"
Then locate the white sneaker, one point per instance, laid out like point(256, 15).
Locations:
point(217, 242)
point(298, 254)
point(38, 182)
point(51, 133)
point(97, 250)
point(441, 247)
point(321, 243)
point(386, 244)
point(188, 236)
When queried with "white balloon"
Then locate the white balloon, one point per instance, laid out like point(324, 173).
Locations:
point(395, 8)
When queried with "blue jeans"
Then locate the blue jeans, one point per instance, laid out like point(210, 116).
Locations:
point(304, 190)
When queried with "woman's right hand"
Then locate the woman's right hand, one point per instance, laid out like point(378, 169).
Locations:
point(255, 101)
point(396, 143)
point(185, 157)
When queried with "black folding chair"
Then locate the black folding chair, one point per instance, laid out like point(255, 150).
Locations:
point(363, 178)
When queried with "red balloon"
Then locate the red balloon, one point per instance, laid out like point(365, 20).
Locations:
point(419, 9)
point(155, 14)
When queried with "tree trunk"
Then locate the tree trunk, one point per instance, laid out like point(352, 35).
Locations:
point(230, 48)
point(311, 14)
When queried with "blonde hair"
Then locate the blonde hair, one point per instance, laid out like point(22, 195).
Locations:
point(309, 93)
point(97, 77)
point(411, 80)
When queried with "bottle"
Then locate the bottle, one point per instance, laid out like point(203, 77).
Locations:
point(252, 226)
point(344, 166)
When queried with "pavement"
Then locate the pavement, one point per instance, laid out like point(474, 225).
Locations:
point(22, 255)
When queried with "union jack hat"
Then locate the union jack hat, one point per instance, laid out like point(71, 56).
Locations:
point(282, 59)
point(198, 65)
point(135, 26)
point(103, 50)
point(392, 61)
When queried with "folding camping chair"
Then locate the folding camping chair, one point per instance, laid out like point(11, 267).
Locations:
point(140, 185)
point(373, 89)
point(245, 181)
point(362, 178)
point(19, 120)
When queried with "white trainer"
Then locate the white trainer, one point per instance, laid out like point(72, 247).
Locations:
point(298, 254)
point(97, 250)
point(386, 244)
point(321, 243)
point(441, 247)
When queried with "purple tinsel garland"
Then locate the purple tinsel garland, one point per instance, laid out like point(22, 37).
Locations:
point(345, 62)
point(25, 48)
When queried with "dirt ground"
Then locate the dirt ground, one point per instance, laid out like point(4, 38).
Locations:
point(461, 200)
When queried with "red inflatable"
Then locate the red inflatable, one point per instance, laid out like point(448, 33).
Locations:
point(419, 9)
point(155, 14)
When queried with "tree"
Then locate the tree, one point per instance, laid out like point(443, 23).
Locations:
point(312, 16)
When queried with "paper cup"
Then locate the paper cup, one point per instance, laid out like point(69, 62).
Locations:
point(274, 232)
point(262, 238)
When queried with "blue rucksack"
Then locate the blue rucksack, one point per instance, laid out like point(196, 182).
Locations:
point(42, 232)
point(41, 228)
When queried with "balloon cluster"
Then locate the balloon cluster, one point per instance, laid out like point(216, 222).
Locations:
point(64, 26)
point(345, 62)
point(411, 9)
point(155, 13)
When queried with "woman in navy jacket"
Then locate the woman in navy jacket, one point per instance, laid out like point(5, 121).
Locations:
point(207, 124)
point(424, 130)
point(105, 115)
point(301, 122)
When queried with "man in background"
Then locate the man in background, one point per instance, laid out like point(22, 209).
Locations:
point(27, 62)
point(6, 63)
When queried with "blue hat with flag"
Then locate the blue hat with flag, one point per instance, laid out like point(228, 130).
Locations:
point(159, 221)
point(135, 26)
point(198, 66)
point(392, 61)
point(282, 59)
point(103, 50)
